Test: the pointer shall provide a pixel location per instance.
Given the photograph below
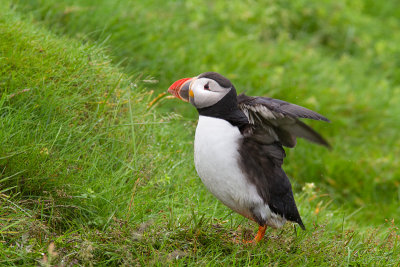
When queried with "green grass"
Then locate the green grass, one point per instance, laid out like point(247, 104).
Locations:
point(336, 58)
point(90, 175)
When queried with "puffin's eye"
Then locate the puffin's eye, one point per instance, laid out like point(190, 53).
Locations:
point(206, 87)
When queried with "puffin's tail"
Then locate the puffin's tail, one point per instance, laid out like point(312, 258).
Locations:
point(300, 222)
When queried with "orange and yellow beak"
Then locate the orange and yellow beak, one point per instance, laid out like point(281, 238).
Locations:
point(181, 89)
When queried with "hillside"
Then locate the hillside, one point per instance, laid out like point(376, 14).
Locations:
point(338, 58)
point(91, 175)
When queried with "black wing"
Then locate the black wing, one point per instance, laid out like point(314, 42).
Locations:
point(277, 120)
point(263, 165)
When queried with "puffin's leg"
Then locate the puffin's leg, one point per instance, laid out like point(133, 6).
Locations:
point(260, 233)
point(259, 236)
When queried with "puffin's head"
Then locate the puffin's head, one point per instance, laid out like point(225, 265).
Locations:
point(202, 91)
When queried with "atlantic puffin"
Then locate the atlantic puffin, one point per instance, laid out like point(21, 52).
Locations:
point(238, 147)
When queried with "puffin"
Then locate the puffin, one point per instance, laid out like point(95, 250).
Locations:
point(238, 148)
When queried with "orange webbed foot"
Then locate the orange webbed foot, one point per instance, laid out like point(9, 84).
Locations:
point(257, 238)
point(260, 233)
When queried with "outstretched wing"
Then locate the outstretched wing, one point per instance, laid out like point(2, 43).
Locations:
point(277, 120)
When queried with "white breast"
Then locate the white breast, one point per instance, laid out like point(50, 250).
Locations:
point(216, 159)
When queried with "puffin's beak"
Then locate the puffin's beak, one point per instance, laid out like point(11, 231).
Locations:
point(180, 89)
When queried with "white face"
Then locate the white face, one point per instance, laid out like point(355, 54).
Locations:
point(206, 92)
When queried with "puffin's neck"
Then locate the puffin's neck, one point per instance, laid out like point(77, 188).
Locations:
point(226, 109)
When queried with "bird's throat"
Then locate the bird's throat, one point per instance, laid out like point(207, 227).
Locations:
point(226, 109)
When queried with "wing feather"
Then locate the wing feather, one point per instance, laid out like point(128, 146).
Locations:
point(269, 116)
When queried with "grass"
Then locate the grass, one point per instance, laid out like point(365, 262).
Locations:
point(336, 58)
point(90, 175)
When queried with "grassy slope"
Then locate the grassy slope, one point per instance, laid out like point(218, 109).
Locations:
point(76, 138)
point(105, 192)
point(337, 58)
